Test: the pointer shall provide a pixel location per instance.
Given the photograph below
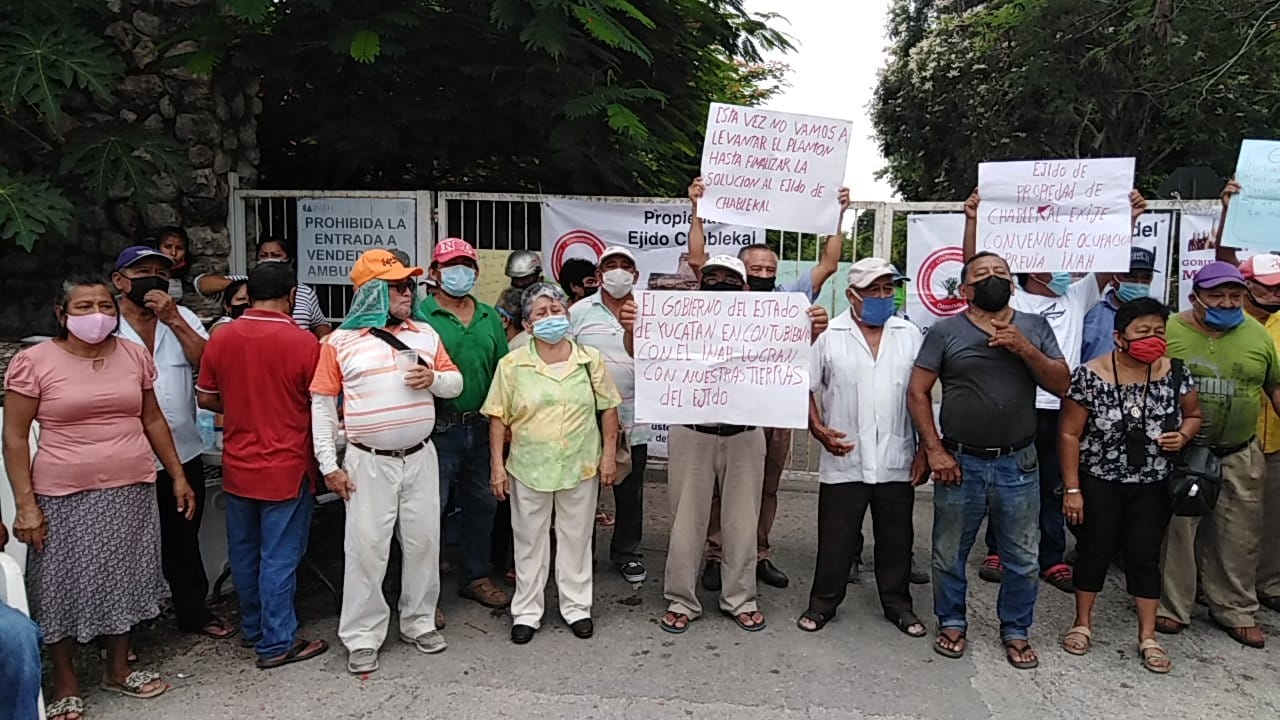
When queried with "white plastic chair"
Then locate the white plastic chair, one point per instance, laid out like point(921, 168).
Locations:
point(13, 592)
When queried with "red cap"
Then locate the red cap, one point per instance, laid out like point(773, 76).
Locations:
point(452, 248)
point(1263, 268)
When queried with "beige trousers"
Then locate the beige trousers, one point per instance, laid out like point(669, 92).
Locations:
point(575, 516)
point(777, 443)
point(699, 464)
point(1269, 553)
point(1223, 546)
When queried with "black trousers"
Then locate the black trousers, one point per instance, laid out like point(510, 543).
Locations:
point(180, 548)
point(1125, 519)
point(628, 501)
point(841, 509)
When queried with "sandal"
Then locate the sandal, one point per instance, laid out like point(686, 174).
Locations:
point(301, 650)
point(1241, 635)
point(910, 625)
point(958, 644)
point(604, 519)
point(671, 622)
point(815, 617)
point(61, 708)
point(219, 629)
point(750, 624)
point(1011, 647)
point(1167, 626)
point(1079, 647)
point(486, 593)
point(1154, 658)
point(134, 684)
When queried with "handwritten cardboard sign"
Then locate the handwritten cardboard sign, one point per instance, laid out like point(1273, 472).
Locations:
point(773, 170)
point(1253, 220)
point(717, 357)
point(1050, 215)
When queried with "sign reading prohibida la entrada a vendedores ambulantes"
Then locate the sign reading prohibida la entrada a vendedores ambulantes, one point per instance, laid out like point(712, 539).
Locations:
point(333, 232)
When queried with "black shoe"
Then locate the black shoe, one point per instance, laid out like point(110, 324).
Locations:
point(768, 574)
point(521, 634)
point(711, 576)
point(855, 573)
point(583, 629)
point(919, 576)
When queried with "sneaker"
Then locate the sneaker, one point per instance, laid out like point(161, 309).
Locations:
point(633, 571)
point(992, 570)
point(364, 660)
point(1059, 576)
point(428, 642)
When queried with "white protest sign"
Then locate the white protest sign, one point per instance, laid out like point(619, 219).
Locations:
point(1255, 212)
point(657, 234)
point(1154, 232)
point(1049, 215)
point(773, 170)
point(334, 232)
point(1198, 246)
point(935, 259)
point(719, 357)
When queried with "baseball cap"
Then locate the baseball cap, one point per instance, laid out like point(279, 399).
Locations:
point(728, 262)
point(380, 265)
point(1141, 258)
point(453, 248)
point(1218, 273)
point(617, 251)
point(1263, 268)
point(868, 270)
point(134, 253)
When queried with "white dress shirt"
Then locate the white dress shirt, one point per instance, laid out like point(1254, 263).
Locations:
point(865, 398)
point(175, 382)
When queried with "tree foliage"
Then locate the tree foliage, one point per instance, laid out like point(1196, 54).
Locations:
point(583, 96)
point(1171, 82)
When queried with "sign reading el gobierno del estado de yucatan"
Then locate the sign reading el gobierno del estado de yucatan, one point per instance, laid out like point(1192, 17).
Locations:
point(334, 232)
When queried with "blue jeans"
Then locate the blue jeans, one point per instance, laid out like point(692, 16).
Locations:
point(463, 450)
point(265, 543)
point(19, 665)
point(1053, 526)
point(1009, 488)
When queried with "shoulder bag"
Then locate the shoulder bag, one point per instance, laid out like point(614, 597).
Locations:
point(1195, 472)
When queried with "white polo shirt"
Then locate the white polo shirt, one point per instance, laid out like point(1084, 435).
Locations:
point(175, 382)
point(865, 398)
point(594, 325)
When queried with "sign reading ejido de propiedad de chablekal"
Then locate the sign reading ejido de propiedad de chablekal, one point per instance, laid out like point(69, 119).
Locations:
point(334, 232)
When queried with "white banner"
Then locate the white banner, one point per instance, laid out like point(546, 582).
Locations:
point(1049, 215)
point(657, 234)
point(1154, 231)
point(773, 170)
point(334, 232)
point(716, 357)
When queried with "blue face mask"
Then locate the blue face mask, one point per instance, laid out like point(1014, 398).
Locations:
point(1129, 291)
point(457, 280)
point(1223, 318)
point(551, 329)
point(1059, 283)
point(877, 311)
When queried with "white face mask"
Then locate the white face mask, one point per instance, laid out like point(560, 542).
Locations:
point(618, 282)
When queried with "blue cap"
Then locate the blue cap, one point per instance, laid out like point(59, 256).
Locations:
point(134, 253)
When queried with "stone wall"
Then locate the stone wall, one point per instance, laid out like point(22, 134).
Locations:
point(214, 119)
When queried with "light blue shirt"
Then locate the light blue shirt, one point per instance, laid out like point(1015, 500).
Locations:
point(1099, 328)
point(802, 284)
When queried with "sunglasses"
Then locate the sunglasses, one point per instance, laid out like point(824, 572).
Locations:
point(408, 286)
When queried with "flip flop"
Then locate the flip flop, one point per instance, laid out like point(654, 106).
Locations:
point(954, 654)
point(224, 629)
point(738, 620)
point(1009, 650)
point(133, 684)
point(818, 619)
point(62, 707)
point(672, 628)
point(1083, 632)
point(301, 650)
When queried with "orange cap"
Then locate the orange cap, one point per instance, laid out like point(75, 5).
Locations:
point(380, 265)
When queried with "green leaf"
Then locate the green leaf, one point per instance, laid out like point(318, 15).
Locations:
point(29, 208)
point(365, 46)
point(624, 121)
point(39, 65)
point(254, 12)
point(120, 160)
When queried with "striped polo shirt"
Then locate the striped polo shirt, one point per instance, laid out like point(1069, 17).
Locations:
point(379, 410)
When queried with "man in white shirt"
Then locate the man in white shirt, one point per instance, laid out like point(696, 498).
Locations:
point(858, 411)
point(1064, 304)
point(175, 337)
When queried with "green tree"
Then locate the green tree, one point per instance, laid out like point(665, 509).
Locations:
point(1170, 83)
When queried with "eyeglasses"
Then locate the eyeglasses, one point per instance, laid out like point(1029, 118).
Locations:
point(404, 286)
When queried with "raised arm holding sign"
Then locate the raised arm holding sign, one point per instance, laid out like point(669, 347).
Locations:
point(1255, 213)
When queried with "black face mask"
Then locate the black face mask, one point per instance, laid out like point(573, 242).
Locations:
point(140, 286)
point(1268, 309)
point(238, 310)
point(589, 291)
point(992, 293)
point(720, 287)
point(761, 284)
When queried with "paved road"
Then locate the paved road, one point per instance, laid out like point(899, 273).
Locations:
point(858, 667)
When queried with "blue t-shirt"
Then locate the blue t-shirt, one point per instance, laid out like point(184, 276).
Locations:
point(1099, 329)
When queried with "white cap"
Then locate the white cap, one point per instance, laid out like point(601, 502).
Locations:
point(728, 262)
point(868, 270)
point(617, 251)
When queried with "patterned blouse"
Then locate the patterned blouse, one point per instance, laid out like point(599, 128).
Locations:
point(1111, 409)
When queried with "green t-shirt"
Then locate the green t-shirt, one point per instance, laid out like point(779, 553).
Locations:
point(1230, 373)
point(475, 349)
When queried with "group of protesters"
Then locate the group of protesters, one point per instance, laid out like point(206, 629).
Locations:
point(440, 420)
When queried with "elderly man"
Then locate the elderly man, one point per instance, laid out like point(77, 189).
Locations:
point(389, 365)
point(1099, 324)
point(474, 337)
point(990, 360)
point(1233, 361)
point(257, 371)
point(597, 323)
point(703, 458)
point(175, 337)
point(857, 410)
point(761, 264)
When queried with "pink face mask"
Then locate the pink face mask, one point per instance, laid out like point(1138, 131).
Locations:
point(92, 328)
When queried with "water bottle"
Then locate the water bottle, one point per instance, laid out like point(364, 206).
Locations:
point(204, 422)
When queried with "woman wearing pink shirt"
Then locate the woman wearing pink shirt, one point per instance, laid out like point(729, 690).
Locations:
point(85, 501)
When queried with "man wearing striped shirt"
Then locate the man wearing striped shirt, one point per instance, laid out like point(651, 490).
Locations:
point(389, 365)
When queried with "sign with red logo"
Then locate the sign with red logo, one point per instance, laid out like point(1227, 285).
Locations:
point(935, 260)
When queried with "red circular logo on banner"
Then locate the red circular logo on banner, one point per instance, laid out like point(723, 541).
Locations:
point(936, 273)
point(568, 241)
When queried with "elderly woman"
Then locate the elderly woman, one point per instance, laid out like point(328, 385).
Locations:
point(235, 300)
point(1115, 468)
point(548, 394)
point(85, 502)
